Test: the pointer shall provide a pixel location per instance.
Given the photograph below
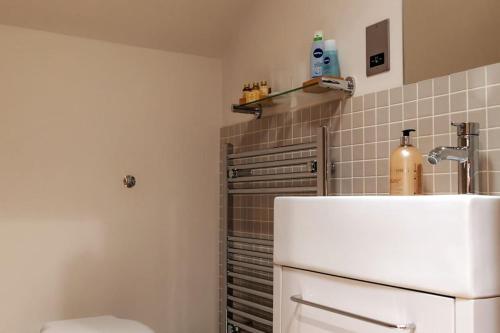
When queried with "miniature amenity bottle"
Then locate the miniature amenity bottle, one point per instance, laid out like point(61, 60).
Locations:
point(406, 168)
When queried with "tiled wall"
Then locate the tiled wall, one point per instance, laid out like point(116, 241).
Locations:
point(364, 129)
point(362, 132)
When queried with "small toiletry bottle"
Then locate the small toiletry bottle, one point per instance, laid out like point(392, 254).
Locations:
point(264, 90)
point(255, 92)
point(317, 54)
point(406, 168)
point(331, 61)
point(246, 92)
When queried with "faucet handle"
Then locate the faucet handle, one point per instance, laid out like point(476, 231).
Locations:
point(466, 128)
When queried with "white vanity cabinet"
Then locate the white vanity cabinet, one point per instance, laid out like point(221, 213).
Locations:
point(355, 265)
point(318, 303)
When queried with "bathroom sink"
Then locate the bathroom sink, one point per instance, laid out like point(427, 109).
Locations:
point(448, 245)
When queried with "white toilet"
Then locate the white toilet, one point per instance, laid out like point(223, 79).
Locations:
point(104, 324)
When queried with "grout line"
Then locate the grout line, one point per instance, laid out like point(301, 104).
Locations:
point(376, 138)
point(488, 190)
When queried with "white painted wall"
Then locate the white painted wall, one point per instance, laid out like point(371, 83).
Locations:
point(272, 41)
point(76, 115)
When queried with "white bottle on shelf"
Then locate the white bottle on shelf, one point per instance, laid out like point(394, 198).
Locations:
point(317, 54)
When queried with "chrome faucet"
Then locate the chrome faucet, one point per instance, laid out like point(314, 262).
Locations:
point(466, 154)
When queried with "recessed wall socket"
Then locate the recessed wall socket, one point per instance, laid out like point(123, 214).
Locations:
point(377, 48)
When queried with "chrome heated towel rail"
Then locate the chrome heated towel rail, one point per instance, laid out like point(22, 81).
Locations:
point(247, 261)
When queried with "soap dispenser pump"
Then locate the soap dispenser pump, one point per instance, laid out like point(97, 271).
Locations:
point(406, 168)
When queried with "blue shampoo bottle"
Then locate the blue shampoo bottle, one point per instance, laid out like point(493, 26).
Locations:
point(330, 60)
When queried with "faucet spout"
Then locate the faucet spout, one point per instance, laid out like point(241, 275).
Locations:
point(466, 154)
point(459, 154)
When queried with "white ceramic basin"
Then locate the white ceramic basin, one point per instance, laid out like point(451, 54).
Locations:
point(448, 245)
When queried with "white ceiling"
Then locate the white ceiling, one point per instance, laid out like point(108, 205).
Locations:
point(199, 27)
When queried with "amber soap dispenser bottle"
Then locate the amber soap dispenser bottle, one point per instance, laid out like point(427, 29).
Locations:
point(406, 168)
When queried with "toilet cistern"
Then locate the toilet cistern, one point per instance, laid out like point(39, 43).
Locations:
point(466, 154)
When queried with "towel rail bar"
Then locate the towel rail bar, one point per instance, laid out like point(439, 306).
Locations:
point(272, 151)
point(256, 267)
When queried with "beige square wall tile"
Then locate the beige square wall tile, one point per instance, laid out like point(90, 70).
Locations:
point(425, 144)
point(441, 105)
point(346, 153)
point(493, 117)
point(493, 73)
point(458, 81)
point(346, 186)
point(425, 107)
point(442, 183)
point(425, 89)
point(494, 160)
point(478, 116)
point(441, 85)
point(346, 137)
point(357, 186)
point(357, 152)
point(370, 185)
point(396, 113)
point(458, 117)
point(357, 104)
point(383, 98)
point(369, 117)
point(383, 167)
point(382, 149)
point(477, 98)
point(428, 184)
point(345, 105)
point(335, 154)
point(357, 169)
point(345, 170)
point(410, 92)
point(493, 94)
point(476, 77)
point(369, 133)
point(370, 149)
point(396, 95)
point(425, 126)
point(369, 101)
point(335, 138)
point(370, 168)
point(442, 124)
point(346, 121)
point(383, 185)
point(442, 140)
point(357, 119)
point(410, 110)
point(494, 138)
point(382, 115)
point(494, 182)
point(333, 123)
point(395, 130)
point(357, 136)
point(458, 102)
point(334, 186)
point(382, 132)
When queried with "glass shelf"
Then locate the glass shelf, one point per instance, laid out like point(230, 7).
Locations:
point(314, 91)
